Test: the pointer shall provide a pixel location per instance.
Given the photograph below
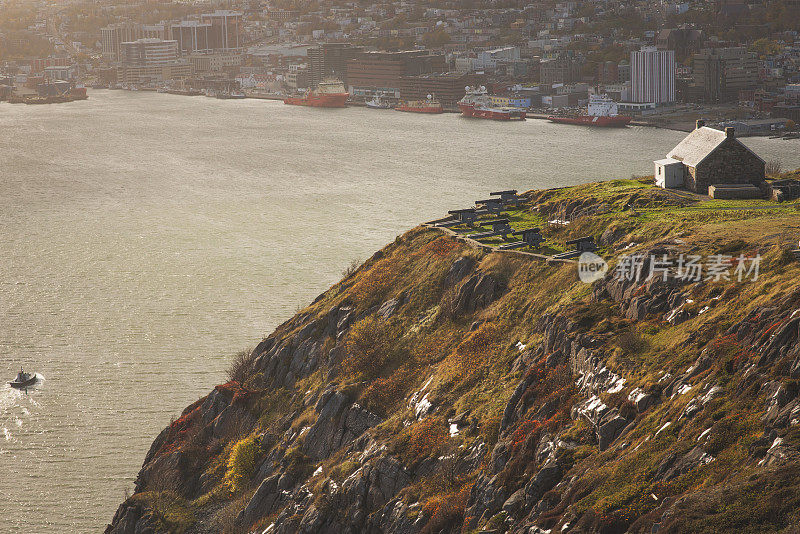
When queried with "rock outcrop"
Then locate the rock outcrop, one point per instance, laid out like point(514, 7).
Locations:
point(511, 400)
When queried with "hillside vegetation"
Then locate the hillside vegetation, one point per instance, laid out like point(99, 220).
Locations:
point(444, 388)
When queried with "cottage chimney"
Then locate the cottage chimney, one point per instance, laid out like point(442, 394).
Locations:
point(700, 123)
point(729, 132)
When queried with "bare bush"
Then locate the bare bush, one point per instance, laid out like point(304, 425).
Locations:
point(351, 269)
point(774, 167)
point(241, 367)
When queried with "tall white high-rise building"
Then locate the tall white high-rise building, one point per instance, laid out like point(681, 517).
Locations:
point(114, 35)
point(653, 76)
point(148, 52)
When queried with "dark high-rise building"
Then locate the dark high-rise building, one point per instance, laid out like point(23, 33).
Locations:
point(114, 35)
point(447, 88)
point(565, 68)
point(330, 59)
point(382, 72)
point(214, 32)
point(192, 36)
point(225, 31)
point(720, 73)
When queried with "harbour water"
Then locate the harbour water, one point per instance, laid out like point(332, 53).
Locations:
point(146, 237)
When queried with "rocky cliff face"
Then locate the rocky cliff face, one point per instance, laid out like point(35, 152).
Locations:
point(441, 388)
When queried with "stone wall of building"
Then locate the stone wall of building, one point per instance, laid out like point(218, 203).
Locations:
point(730, 163)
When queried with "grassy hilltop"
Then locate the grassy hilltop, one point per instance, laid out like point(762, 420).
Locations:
point(442, 387)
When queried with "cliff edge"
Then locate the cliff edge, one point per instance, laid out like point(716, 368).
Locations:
point(445, 388)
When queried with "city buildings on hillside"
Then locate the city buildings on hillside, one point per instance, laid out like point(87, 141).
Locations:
point(210, 32)
point(403, 49)
point(150, 60)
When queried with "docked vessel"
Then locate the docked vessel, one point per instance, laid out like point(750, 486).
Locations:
point(478, 104)
point(78, 92)
point(231, 95)
point(601, 111)
point(23, 380)
point(182, 92)
point(430, 105)
point(378, 103)
point(329, 93)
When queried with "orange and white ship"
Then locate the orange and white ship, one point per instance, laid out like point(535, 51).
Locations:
point(478, 104)
point(430, 105)
point(330, 93)
point(78, 92)
point(601, 111)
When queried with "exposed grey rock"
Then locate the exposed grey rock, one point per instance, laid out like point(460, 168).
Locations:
point(514, 504)
point(510, 413)
point(477, 292)
point(231, 419)
point(470, 462)
point(794, 371)
point(339, 422)
point(672, 467)
point(460, 268)
point(213, 405)
point(131, 519)
point(264, 501)
point(485, 498)
point(645, 401)
point(500, 456)
point(388, 308)
point(395, 519)
point(544, 480)
point(609, 430)
point(365, 491)
point(779, 454)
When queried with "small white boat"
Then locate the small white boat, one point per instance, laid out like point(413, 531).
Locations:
point(378, 103)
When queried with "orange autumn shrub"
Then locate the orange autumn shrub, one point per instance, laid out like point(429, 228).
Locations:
point(446, 511)
point(476, 352)
point(373, 284)
point(370, 345)
point(428, 437)
point(385, 395)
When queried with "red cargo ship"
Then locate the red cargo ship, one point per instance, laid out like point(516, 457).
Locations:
point(78, 92)
point(602, 111)
point(478, 104)
point(431, 105)
point(328, 94)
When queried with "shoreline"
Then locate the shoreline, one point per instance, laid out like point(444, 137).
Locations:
point(684, 124)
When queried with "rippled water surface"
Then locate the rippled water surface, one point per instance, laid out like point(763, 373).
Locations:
point(145, 238)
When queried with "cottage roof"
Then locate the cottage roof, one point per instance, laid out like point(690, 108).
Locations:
point(699, 144)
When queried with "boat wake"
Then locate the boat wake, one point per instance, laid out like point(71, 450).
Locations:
point(15, 406)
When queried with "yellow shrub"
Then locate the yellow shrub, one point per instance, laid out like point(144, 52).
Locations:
point(241, 463)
